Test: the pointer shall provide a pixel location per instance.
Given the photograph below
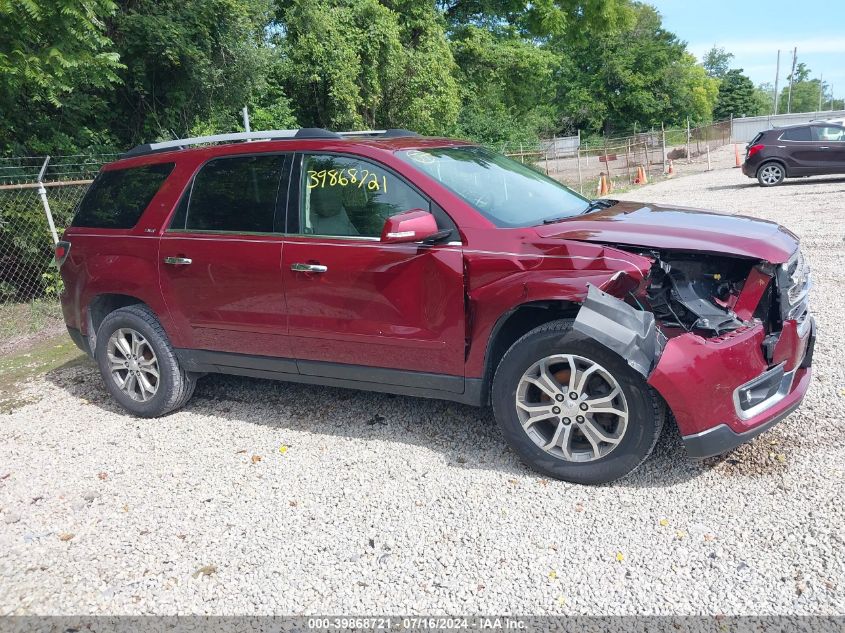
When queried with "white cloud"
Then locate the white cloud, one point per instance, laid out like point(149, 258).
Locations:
point(770, 46)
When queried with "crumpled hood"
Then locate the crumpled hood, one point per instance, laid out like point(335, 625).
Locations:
point(678, 229)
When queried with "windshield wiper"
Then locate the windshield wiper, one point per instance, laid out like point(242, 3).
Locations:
point(601, 203)
point(595, 205)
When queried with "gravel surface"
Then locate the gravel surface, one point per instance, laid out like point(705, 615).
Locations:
point(263, 497)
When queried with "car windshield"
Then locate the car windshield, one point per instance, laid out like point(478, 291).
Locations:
point(506, 192)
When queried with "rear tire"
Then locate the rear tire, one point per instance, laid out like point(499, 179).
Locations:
point(770, 174)
point(138, 363)
point(578, 439)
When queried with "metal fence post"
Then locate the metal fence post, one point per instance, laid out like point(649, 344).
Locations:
point(578, 159)
point(42, 193)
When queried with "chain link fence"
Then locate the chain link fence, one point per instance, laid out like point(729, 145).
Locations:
point(580, 165)
point(29, 280)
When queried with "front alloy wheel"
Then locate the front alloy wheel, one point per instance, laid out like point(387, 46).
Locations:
point(572, 407)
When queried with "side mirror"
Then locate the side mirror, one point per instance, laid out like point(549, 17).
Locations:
point(409, 226)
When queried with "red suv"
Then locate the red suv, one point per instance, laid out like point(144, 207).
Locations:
point(436, 268)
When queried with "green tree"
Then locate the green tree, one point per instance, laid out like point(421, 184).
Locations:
point(49, 52)
point(354, 64)
point(764, 98)
point(578, 19)
point(191, 65)
point(716, 62)
point(640, 76)
point(805, 92)
point(507, 86)
point(736, 97)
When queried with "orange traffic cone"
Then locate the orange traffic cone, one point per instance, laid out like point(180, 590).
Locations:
point(598, 185)
point(603, 186)
point(644, 179)
point(671, 171)
point(639, 177)
point(736, 152)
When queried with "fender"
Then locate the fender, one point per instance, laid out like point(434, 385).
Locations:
point(126, 275)
point(524, 279)
point(631, 333)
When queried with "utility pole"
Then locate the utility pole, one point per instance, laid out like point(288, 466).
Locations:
point(821, 90)
point(777, 77)
point(791, 80)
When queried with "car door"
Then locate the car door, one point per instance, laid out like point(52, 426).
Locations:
point(801, 151)
point(359, 309)
point(831, 156)
point(220, 259)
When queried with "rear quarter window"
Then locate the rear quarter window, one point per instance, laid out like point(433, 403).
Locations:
point(796, 134)
point(117, 198)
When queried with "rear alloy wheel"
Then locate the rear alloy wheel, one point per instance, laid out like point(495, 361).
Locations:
point(133, 364)
point(770, 174)
point(138, 364)
point(573, 409)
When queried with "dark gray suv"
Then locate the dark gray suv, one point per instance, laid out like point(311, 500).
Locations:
point(812, 149)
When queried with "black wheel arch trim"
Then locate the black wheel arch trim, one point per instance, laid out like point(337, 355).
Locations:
point(768, 161)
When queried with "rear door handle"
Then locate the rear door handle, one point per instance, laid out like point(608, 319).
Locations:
point(824, 147)
point(177, 261)
point(309, 268)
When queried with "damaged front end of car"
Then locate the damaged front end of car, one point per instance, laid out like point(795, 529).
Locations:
point(726, 341)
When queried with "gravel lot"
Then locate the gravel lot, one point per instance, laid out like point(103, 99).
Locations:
point(264, 497)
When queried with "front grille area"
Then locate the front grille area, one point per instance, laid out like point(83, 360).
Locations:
point(794, 282)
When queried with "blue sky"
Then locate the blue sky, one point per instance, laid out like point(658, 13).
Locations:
point(754, 31)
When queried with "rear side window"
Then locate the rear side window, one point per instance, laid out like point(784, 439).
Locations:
point(233, 194)
point(796, 134)
point(117, 198)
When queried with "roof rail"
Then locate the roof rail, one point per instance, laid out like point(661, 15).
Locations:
point(393, 132)
point(268, 135)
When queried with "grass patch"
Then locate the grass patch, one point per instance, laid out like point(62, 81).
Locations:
point(42, 357)
point(21, 319)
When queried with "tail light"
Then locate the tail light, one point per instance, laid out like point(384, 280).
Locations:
point(62, 251)
point(753, 150)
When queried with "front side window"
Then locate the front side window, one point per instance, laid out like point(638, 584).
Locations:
point(344, 196)
point(236, 194)
point(117, 198)
point(508, 193)
point(828, 133)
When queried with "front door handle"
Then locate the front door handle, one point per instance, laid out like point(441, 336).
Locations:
point(177, 261)
point(824, 147)
point(309, 268)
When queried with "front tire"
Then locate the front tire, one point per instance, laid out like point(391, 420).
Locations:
point(138, 365)
point(572, 409)
point(771, 174)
